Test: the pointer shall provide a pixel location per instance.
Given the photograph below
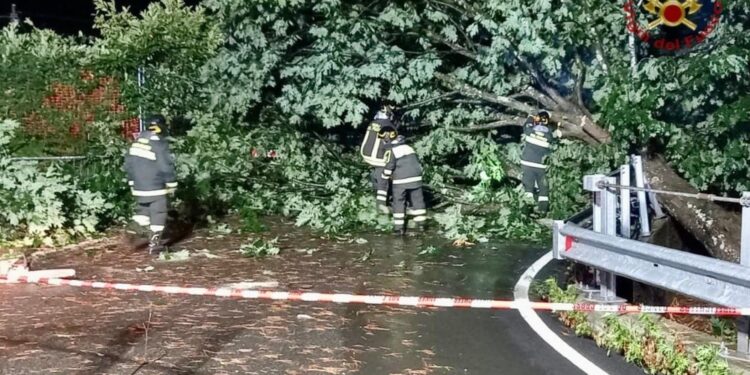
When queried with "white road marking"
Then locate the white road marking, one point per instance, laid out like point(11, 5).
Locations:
point(521, 294)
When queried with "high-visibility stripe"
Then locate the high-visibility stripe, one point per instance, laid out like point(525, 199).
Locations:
point(157, 228)
point(143, 140)
point(533, 165)
point(141, 146)
point(171, 184)
point(154, 138)
point(537, 141)
point(387, 172)
point(543, 198)
point(149, 193)
point(141, 153)
point(399, 215)
point(375, 162)
point(131, 183)
point(398, 222)
point(382, 192)
point(381, 198)
point(420, 218)
point(402, 150)
point(407, 180)
point(142, 220)
point(416, 212)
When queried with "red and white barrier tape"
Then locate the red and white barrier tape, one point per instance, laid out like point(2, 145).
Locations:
point(396, 300)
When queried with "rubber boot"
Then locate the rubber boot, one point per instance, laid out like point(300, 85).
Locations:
point(155, 246)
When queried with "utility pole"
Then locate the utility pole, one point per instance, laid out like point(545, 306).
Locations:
point(13, 14)
point(141, 83)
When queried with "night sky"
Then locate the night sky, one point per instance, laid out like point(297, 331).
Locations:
point(63, 16)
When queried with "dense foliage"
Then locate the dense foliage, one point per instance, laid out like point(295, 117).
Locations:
point(643, 342)
point(303, 77)
point(43, 202)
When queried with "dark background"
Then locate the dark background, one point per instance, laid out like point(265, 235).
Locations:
point(64, 16)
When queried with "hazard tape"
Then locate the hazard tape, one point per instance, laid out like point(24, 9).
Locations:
point(393, 300)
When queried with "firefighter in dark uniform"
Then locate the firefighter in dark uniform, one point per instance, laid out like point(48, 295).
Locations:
point(373, 152)
point(151, 176)
point(404, 171)
point(538, 137)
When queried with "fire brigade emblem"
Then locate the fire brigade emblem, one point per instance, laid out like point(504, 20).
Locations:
point(673, 24)
point(672, 13)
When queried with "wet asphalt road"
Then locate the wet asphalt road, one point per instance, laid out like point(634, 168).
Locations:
point(45, 330)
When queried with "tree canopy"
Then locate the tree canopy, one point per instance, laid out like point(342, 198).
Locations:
point(288, 75)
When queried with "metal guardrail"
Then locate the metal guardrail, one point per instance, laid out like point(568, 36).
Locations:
point(709, 279)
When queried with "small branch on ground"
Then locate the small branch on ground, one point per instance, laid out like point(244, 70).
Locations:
point(146, 327)
point(144, 364)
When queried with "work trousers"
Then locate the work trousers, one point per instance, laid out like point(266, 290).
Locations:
point(151, 212)
point(535, 181)
point(376, 177)
point(412, 194)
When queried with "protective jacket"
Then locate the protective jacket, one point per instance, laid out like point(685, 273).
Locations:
point(538, 142)
point(402, 166)
point(149, 166)
point(373, 148)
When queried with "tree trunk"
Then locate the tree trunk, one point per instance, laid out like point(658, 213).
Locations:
point(716, 227)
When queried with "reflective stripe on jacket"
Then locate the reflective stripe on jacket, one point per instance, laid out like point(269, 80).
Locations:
point(149, 166)
point(402, 167)
point(537, 139)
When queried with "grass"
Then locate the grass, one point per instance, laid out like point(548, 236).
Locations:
point(642, 342)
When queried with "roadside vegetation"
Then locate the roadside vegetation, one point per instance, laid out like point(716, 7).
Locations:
point(641, 340)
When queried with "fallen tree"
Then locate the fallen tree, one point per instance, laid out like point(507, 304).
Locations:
point(464, 75)
point(715, 226)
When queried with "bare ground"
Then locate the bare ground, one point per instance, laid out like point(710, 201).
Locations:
point(64, 330)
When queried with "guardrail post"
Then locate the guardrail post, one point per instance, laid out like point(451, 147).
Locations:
point(658, 212)
point(590, 183)
point(608, 285)
point(558, 240)
point(625, 201)
point(743, 323)
point(605, 221)
point(642, 204)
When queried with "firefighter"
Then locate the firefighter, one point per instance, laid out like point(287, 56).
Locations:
point(404, 171)
point(151, 176)
point(373, 152)
point(538, 137)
